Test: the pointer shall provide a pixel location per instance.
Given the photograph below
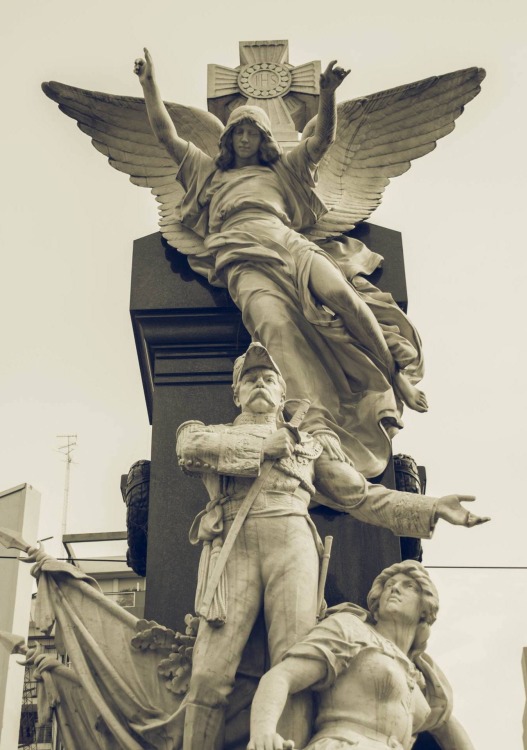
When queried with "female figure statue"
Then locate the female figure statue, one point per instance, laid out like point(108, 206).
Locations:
point(249, 219)
point(377, 687)
point(248, 204)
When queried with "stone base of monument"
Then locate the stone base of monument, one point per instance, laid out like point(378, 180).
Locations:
point(188, 335)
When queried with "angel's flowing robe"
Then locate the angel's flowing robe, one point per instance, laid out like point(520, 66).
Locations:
point(248, 218)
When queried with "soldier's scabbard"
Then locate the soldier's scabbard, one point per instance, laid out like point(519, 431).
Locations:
point(324, 566)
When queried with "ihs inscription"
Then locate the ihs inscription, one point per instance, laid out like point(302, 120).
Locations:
point(264, 80)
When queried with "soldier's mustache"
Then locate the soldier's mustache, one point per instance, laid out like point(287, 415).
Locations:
point(258, 391)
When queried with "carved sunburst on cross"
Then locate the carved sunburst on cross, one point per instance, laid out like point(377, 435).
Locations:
point(288, 93)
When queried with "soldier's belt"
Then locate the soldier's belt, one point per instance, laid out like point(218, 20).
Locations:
point(271, 501)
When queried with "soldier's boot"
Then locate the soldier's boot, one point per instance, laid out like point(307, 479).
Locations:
point(204, 727)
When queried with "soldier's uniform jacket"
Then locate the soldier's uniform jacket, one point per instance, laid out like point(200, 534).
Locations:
point(228, 457)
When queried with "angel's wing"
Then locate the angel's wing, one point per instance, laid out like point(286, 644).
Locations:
point(120, 129)
point(377, 138)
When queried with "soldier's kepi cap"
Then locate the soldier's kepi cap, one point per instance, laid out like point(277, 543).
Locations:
point(255, 356)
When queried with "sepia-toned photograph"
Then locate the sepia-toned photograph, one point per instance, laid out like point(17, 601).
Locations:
point(262, 386)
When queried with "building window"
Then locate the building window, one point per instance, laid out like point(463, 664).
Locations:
point(123, 598)
point(44, 734)
point(26, 734)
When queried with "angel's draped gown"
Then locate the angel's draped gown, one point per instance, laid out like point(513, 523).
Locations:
point(248, 218)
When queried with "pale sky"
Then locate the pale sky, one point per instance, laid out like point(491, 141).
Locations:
point(69, 222)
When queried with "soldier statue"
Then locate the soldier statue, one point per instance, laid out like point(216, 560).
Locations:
point(273, 561)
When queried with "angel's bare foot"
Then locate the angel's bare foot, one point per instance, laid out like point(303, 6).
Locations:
point(409, 394)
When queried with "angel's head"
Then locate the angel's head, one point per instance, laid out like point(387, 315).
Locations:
point(269, 151)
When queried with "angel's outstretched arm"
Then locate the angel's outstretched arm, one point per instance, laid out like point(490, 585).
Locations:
point(161, 122)
point(326, 123)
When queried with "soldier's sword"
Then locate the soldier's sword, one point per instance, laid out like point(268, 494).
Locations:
point(256, 487)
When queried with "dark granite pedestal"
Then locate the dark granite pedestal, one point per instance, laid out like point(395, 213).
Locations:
point(188, 335)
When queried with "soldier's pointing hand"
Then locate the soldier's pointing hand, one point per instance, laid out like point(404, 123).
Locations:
point(449, 508)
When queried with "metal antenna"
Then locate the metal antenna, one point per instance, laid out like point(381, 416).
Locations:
point(67, 450)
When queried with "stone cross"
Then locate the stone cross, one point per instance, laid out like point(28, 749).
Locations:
point(265, 78)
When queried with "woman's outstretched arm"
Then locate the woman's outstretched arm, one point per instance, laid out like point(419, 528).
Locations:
point(284, 679)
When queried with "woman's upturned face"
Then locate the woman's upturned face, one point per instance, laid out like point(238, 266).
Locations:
point(401, 598)
point(246, 140)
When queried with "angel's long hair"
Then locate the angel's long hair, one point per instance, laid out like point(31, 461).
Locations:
point(429, 599)
point(268, 153)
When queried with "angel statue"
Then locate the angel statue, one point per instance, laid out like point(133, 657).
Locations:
point(249, 218)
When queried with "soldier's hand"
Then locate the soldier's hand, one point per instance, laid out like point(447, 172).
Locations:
point(449, 508)
point(270, 742)
point(280, 444)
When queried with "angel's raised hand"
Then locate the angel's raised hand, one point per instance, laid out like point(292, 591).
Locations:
point(333, 76)
point(144, 68)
